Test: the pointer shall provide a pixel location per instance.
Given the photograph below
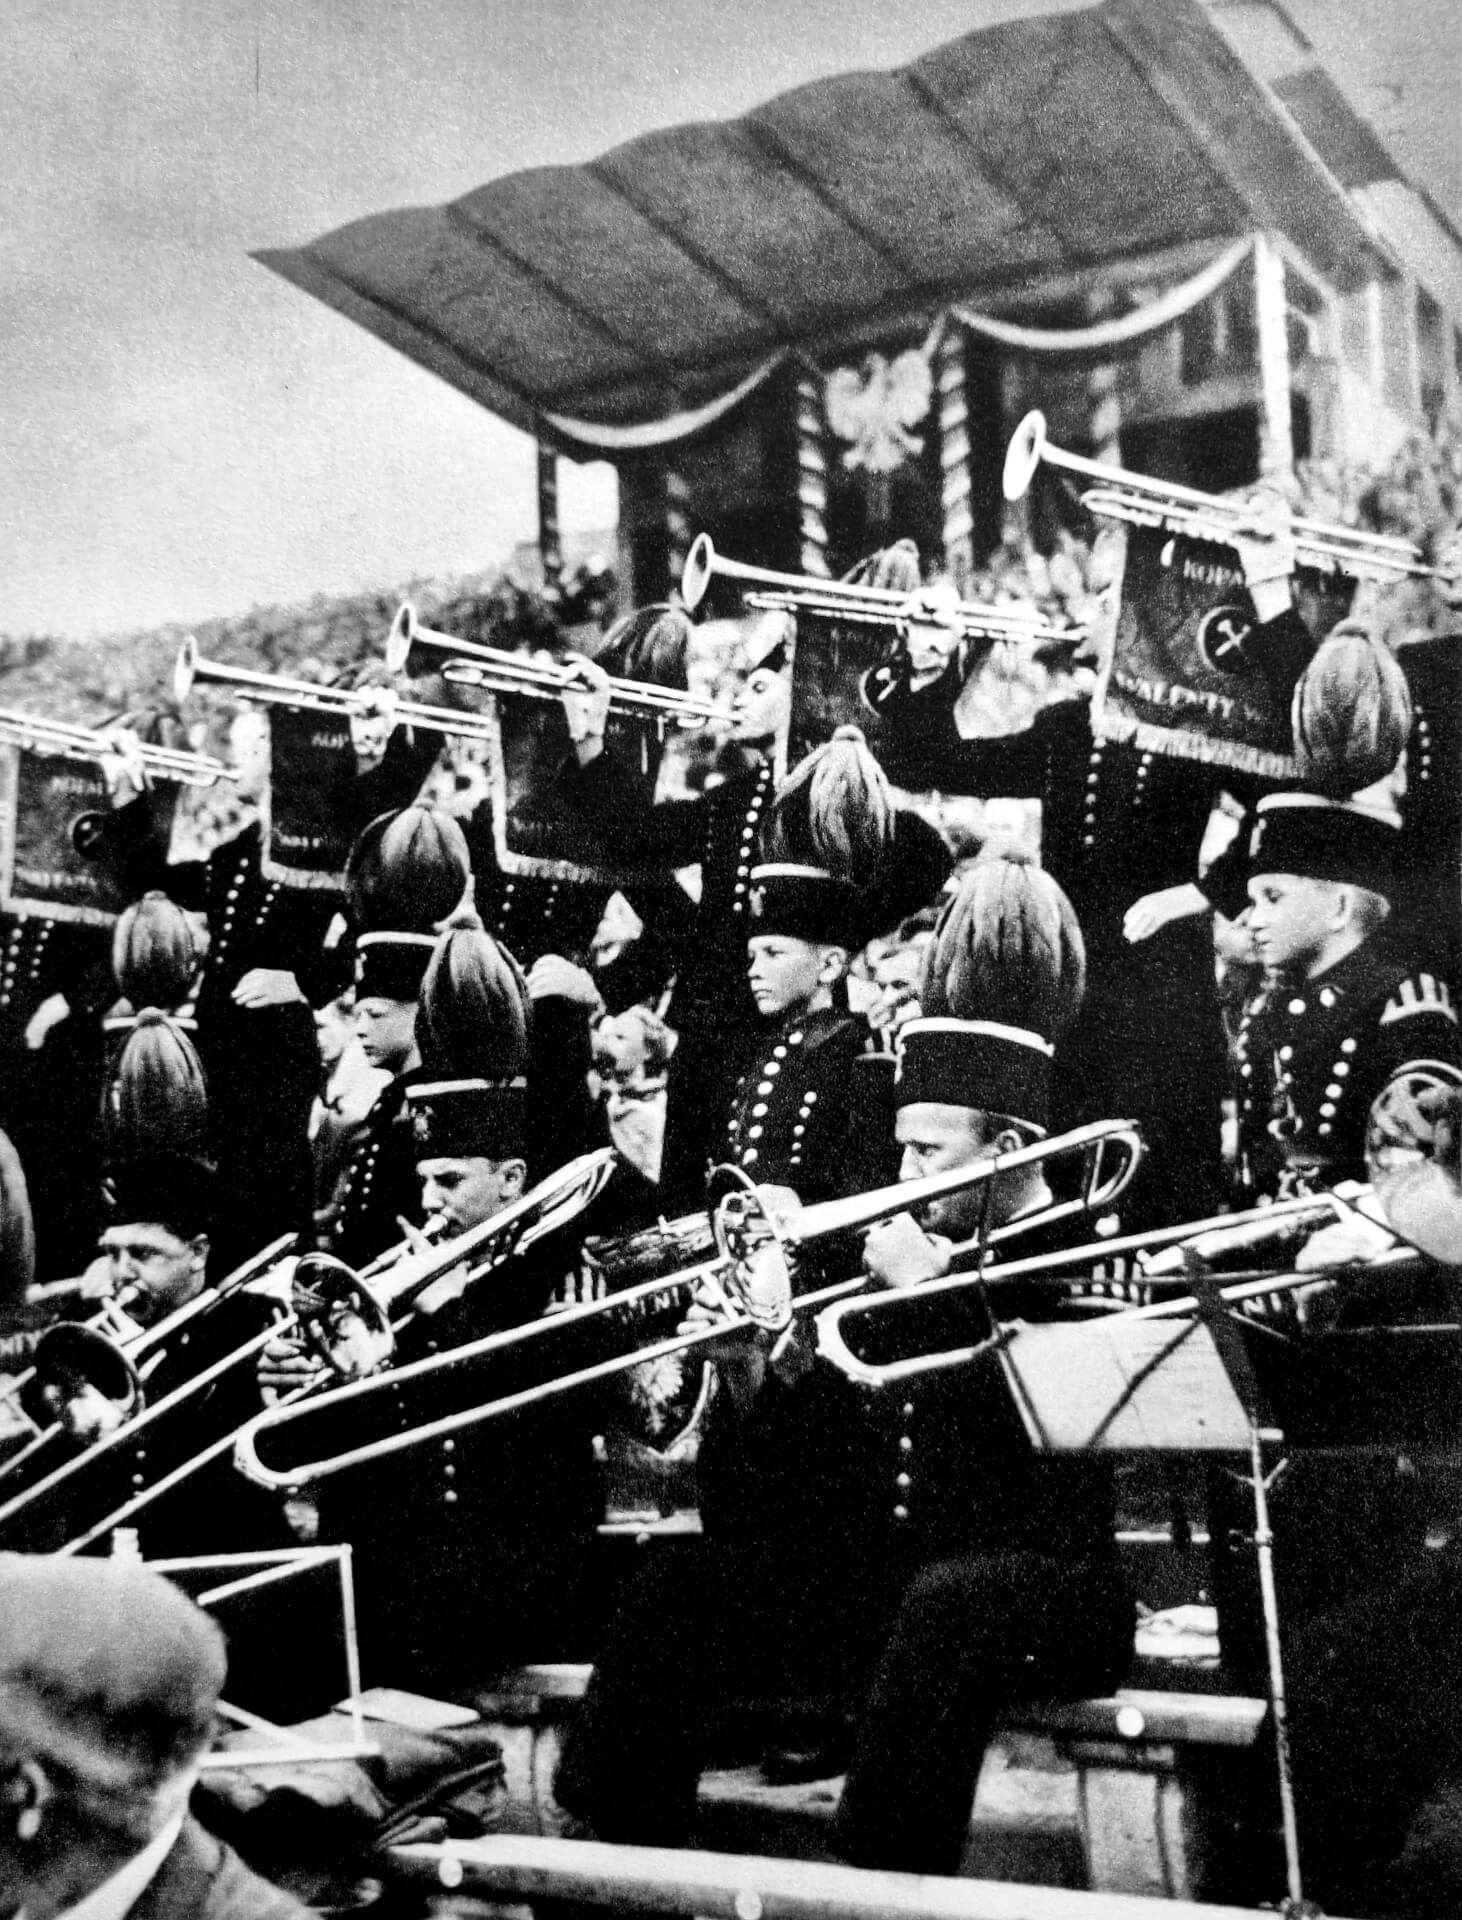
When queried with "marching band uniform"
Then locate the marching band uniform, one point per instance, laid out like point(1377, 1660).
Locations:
point(472, 1552)
point(994, 1572)
point(1117, 823)
point(710, 1009)
point(212, 1511)
point(380, 1187)
point(1313, 1054)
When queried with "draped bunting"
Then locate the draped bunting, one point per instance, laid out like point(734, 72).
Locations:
point(646, 435)
point(1105, 334)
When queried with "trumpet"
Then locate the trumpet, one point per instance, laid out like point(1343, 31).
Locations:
point(853, 604)
point(410, 647)
point(96, 744)
point(753, 1232)
point(1145, 502)
point(272, 689)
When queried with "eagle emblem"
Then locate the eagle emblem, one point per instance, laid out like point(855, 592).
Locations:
point(873, 409)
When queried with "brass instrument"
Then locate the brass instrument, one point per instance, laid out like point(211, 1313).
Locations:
point(852, 603)
point(410, 647)
point(272, 689)
point(1166, 1255)
point(1145, 502)
point(751, 1274)
point(350, 1320)
point(97, 744)
point(106, 1359)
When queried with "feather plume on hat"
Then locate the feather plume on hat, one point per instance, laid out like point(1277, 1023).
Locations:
point(475, 1016)
point(154, 953)
point(650, 644)
point(408, 871)
point(1351, 713)
point(834, 811)
point(1007, 947)
point(157, 1099)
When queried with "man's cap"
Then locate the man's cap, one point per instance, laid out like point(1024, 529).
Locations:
point(978, 1064)
point(154, 953)
point(391, 966)
point(1351, 713)
point(468, 1119)
point(408, 870)
point(650, 644)
point(106, 1670)
point(172, 1190)
point(1323, 839)
point(803, 903)
point(768, 643)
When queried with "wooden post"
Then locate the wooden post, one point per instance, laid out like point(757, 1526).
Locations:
point(811, 477)
point(550, 549)
point(677, 525)
point(954, 453)
point(1276, 433)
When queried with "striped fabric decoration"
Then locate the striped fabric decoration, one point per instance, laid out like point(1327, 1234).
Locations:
point(811, 478)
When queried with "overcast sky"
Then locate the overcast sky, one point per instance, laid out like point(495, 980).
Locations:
point(184, 433)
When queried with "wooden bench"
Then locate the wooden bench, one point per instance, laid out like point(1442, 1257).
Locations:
point(1134, 1793)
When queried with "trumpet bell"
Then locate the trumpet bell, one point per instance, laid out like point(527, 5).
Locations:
point(700, 567)
point(1023, 455)
point(401, 638)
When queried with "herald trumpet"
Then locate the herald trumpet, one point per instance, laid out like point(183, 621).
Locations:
point(97, 744)
point(754, 1231)
point(851, 603)
point(271, 689)
point(1146, 502)
point(412, 648)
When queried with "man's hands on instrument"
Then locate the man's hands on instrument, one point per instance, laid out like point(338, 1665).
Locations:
point(898, 1253)
point(268, 987)
point(285, 1365)
point(122, 765)
point(1154, 911)
point(586, 709)
point(1266, 550)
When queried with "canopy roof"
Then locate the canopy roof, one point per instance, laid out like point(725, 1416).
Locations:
point(1009, 162)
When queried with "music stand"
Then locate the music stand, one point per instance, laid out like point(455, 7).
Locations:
point(1128, 1384)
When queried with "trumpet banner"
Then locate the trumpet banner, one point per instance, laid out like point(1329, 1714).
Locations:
point(310, 811)
point(1185, 676)
point(536, 829)
point(57, 841)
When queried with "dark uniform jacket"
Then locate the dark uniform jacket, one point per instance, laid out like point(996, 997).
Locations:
point(1117, 823)
point(807, 1115)
point(471, 1551)
point(712, 1009)
point(212, 1510)
point(380, 1187)
point(202, 1879)
point(1313, 1055)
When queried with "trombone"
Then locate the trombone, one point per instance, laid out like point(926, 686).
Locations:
point(114, 1330)
point(409, 646)
point(118, 1373)
point(751, 1270)
point(851, 603)
point(1145, 502)
point(96, 744)
point(272, 689)
point(1201, 1241)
